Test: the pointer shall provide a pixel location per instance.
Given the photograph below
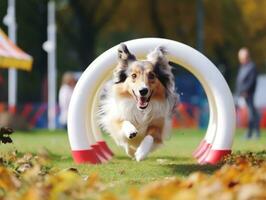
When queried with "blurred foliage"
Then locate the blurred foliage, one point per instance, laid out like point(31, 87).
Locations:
point(240, 179)
point(31, 177)
point(87, 28)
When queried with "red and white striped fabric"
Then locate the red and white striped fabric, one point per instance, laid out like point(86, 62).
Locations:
point(12, 56)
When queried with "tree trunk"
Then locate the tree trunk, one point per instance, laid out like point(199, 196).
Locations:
point(87, 46)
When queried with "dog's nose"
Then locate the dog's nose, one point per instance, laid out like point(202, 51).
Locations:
point(143, 91)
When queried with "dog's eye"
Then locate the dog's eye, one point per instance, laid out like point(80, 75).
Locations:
point(134, 76)
point(151, 76)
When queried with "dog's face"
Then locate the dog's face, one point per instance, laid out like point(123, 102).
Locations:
point(141, 82)
point(142, 79)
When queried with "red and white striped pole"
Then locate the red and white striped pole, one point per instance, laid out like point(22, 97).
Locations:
point(50, 47)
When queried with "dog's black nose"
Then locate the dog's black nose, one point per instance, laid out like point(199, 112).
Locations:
point(143, 91)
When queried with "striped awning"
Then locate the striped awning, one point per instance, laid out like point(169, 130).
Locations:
point(12, 56)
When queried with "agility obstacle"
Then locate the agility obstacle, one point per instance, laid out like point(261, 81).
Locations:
point(85, 137)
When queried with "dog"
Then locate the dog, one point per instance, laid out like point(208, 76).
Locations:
point(137, 106)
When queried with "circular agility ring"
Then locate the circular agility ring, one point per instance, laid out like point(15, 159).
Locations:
point(85, 138)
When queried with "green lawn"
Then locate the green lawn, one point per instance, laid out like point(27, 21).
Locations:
point(173, 159)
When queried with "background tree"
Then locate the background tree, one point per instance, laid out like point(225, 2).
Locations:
point(81, 22)
point(88, 28)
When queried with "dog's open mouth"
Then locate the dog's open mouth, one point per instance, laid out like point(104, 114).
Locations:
point(142, 102)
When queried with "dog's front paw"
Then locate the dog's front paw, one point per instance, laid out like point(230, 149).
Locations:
point(144, 148)
point(139, 155)
point(129, 130)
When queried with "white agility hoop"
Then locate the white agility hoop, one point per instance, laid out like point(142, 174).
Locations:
point(84, 135)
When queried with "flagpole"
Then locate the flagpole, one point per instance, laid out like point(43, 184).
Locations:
point(50, 47)
point(10, 21)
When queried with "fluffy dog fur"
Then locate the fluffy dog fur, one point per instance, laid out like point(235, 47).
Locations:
point(137, 106)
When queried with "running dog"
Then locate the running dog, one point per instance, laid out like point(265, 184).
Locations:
point(137, 107)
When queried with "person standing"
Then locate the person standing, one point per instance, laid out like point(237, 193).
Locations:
point(65, 93)
point(245, 87)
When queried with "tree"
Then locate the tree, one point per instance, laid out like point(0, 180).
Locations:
point(81, 21)
point(88, 28)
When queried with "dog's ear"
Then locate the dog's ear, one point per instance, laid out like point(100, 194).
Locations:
point(163, 71)
point(124, 55)
point(158, 56)
point(161, 65)
point(124, 58)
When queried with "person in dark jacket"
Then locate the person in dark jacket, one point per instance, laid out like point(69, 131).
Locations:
point(245, 87)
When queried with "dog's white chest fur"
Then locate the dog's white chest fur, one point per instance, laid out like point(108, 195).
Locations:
point(127, 110)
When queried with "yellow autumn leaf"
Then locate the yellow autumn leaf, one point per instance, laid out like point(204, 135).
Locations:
point(8, 180)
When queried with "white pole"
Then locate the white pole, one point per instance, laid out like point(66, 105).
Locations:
point(12, 73)
point(50, 47)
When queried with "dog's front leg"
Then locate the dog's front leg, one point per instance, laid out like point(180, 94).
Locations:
point(129, 129)
point(144, 148)
point(148, 144)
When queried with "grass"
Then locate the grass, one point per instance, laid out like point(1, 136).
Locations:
point(173, 159)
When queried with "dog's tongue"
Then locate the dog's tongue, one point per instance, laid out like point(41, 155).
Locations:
point(142, 101)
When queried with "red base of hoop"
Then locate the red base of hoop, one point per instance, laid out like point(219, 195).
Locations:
point(202, 149)
point(104, 146)
point(201, 159)
point(206, 155)
point(215, 156)
point(99, 151)
point(85, 156)
point(198, 148)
